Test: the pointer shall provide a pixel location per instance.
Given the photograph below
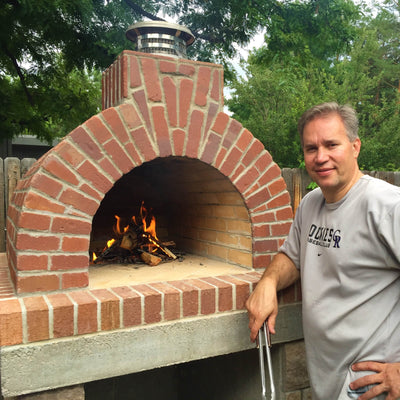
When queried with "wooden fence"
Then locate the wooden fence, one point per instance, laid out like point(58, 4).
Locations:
point(11, 169)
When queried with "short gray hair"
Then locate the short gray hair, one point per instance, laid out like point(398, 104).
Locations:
point(346, 113)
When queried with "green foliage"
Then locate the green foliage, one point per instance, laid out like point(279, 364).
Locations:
point(355, 62)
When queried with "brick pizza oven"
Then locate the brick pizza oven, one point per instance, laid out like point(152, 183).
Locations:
point(163, 137)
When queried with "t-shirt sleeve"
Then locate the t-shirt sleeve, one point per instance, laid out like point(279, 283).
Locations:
point(389, 231)
point(291, 246)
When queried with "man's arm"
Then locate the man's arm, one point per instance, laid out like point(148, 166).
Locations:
point(263, 302)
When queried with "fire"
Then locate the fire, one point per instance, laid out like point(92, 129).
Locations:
point(136, 239)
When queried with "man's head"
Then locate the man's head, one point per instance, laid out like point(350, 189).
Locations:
point(346, 113)
point(331, 147)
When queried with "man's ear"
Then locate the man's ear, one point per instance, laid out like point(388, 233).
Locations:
point(356, 147)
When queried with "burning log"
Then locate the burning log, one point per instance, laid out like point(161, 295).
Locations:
point(136, 242)
point(150, 259)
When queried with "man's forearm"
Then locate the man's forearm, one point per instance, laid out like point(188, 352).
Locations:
point(281, 271)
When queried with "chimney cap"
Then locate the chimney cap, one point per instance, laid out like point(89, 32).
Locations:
point(160, 37)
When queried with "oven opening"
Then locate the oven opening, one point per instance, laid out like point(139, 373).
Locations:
point(168, 219)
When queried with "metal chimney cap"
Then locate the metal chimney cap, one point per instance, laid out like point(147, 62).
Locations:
point(160, 37)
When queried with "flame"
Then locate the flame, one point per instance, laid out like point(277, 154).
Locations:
point(146, 223)
point(110, 242)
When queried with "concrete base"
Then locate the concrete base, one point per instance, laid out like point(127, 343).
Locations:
point(47, 365)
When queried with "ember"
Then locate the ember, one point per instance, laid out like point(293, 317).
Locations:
point(137, 242)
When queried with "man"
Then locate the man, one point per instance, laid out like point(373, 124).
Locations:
point(345, 245)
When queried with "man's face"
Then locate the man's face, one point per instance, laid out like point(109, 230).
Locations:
point(330, 157)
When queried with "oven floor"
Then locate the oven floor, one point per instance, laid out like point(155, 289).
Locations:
point(112, 275)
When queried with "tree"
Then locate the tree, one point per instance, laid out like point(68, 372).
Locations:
point(48, 47)
point(356, 63)
point(292, 72)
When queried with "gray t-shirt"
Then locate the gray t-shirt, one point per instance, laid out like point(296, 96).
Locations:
point(350, 272)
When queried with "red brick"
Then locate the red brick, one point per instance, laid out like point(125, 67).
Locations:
point(261, 231)
point(254, 152)
point(74, 244)
point(224, 290)
point(109, 168)
point(242, 290)
point(178, 136)
point(132, 151)
point(207, 296)
point(152, 303)
point(37, 283)
point(212, 111)
point(232, 134)
point(279, 201)
point(151, 79)
point(46, 184)
point(61, 171)
point(171, 301)
point(123, 61)
point(281, 229)
point(100, 132)
point(258, 198)
point(162, 131)
point(27, 241)
point(119, 157)
point(70, 153)
point(75, 280)
point(220, 157)
point(170, 99)
point(79, 201)
point(32, 262)
point(70, 225)
point(194, 133)
point(167, 67)
point(203, 85)
point(244, 140)
point(187, 69)
point(266, 245)
point(277, 187)
point(68, 261)
point(185, 98)
point(135, 76)
point(247, 180)
point(110, 315)
point(131, 119)
point(217, 86)
point(132, 306)
point(87, 312)
point(91, 173)
point(263, 162)
point(143, 144)
point(284, 214)
point(34, 221)
point(221, 123)
point(141, 101)
point(35, 201)
point(37, 318)
point(10, 322)
point(211, 148)
point(273, 172)
point(63, 315)
point(231, 162)
point(190, 298)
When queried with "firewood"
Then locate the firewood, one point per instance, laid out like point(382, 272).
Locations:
point(150, 259)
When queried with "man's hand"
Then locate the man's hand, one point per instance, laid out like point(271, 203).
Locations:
point(386, 379)
point(262, 304)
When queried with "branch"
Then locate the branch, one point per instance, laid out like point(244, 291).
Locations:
point(20, 74)
point(135, 7)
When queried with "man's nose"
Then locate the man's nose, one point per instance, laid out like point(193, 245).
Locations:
point(321, 155)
